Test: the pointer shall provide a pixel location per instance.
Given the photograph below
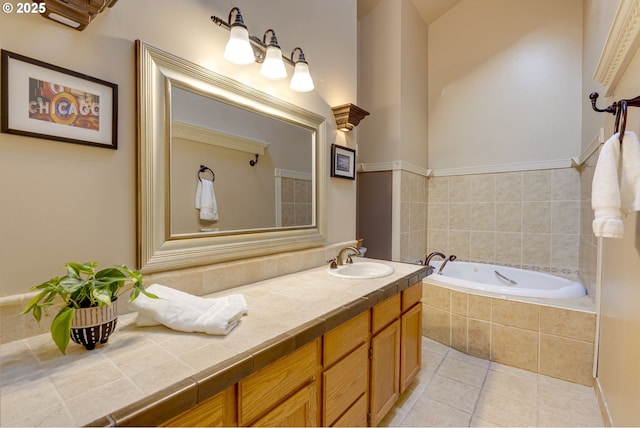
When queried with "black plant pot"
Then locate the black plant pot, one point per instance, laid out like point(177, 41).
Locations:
point(94, 325)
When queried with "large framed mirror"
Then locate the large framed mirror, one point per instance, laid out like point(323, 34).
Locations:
point(225, 171)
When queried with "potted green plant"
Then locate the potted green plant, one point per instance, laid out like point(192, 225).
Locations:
point(87, 298)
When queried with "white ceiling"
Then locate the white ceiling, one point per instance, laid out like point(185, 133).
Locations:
point(429, 10)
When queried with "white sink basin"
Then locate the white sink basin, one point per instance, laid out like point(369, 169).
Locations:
point(362, 270)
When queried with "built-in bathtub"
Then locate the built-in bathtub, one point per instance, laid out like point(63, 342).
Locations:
point(505, 281)
point(535, 325)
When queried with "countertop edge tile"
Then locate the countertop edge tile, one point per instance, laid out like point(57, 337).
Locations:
point(159, 406)
point(223, 375)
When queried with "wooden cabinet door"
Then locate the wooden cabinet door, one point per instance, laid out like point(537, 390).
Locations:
point(344, 383)
point(410, 345)
point(299, 410)
point(384, 388)
point(217, 411)
point(265, 389)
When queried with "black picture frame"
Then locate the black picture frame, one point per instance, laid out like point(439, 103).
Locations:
point(343, 162)
point(43, 100)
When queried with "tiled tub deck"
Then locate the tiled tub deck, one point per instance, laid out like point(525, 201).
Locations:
point(551, 337)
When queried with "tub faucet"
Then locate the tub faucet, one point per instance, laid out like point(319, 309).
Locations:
point(427, 260)
point(444, 263)
point(351, 248)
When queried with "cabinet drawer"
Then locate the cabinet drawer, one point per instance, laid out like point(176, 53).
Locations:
point(343, 339)
point(261, 391)
point(344, 383)
point(385, 312)
point(411, 296)
point(299, 410)
point(356, 416)
point(217, 411)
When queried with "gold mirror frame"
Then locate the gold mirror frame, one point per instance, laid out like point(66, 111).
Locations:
point(157, 72)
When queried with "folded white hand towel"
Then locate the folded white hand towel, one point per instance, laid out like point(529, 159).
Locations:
point(605, 191)
point(206, 200)
point(630, 175)
point(185, 312)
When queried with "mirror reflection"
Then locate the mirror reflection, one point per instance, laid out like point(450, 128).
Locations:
point(233, 169)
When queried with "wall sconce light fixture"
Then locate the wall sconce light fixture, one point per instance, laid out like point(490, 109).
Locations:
point(76, 14)
point(348, 116)
point(243, 48)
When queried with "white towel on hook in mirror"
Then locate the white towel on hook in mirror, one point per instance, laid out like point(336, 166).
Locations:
point(206, 200)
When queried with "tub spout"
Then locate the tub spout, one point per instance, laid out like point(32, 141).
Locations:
point(450, 259)
point(427, 260)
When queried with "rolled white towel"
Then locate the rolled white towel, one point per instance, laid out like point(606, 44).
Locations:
point(605, 191)
point(186, 312)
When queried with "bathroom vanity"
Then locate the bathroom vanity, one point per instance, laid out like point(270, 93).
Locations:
point(314, 350)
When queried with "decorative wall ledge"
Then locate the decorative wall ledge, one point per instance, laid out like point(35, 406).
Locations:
point(191, 132)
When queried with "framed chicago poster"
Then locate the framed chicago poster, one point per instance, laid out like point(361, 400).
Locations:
point(46, 101)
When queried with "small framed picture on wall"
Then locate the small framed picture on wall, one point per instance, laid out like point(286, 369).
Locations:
point(343, 162)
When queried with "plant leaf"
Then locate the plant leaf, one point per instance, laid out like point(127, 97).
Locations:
point(61, 328)
point(103, 296)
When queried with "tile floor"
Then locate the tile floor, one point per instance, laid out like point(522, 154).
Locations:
point(455, 389)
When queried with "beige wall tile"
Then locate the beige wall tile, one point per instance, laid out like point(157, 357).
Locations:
point(565, 183)
point(509, 248)
point(459, 302)
point(460, 188)
point(479, 307)
point(483, 188)
point(438, 215)
point(515, 314)
point(514, 347)
point(564, 251)
point(483, 216)
point(509, 186)
point(509, 217)
point(536, 217)
point(460, 243)
point(438, 240)
point(438, 189)
point(459, 332)
point(536, 185)
point(575, 363)
point(536, 249)
point(565, 217)
point(459, 216)
point(405, 217)
point(567, 323)
point(436, 324)
point(479, 338)
point(483, 246)
point(438, 297)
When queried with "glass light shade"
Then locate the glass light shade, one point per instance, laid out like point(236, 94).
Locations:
point(273, 66)
point(238, 50)
point(301, 80)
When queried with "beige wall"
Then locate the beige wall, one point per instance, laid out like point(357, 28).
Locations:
point(504, 83)
point(64, 202)
point(619, 361)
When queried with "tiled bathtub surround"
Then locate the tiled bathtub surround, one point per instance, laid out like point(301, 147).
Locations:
point(413, 216)
point(525, 219)
point(296, 202)
point(553, 341)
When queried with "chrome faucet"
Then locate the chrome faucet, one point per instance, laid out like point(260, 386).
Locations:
point(355, 251)
point(427, 260)
point(450, 259)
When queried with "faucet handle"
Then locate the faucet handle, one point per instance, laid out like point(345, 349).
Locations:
point(349, 259)
point(333, 263)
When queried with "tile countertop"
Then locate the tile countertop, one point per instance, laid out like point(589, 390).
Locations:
point(144, 376)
